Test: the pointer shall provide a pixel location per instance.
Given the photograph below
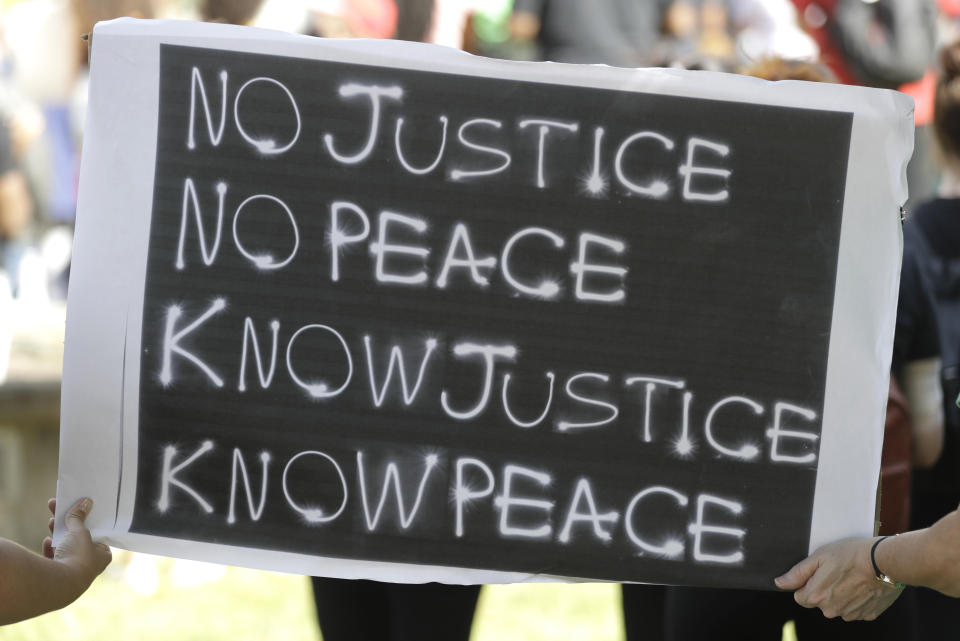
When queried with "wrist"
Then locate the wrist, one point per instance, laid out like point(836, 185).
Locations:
point(72, 581)
point(880, 575)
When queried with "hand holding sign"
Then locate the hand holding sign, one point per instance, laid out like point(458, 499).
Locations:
point(31, 585)
point(82, 559)
point(840, 580)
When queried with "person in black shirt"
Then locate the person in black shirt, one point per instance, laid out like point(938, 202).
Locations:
point(696, 613)
point(840, 577)
point(621, 33)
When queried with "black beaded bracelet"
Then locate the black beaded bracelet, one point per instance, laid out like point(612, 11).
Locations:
point(883, 578)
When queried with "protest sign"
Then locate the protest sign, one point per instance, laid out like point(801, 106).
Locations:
point(386, 310)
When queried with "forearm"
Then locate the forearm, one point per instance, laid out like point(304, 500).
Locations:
point(31, 585)
point(921, 385)
point(928, 557)
point(15, 204)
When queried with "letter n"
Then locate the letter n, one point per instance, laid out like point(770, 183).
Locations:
point(190, 198)
point(196, 82)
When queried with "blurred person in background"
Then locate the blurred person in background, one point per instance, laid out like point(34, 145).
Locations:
point(620, 33)
point(770, 30)
point(49, 66)
point(443, 22)
point(452, 23)
point(738, 614)
point(888, 44)
point(18, 124)
point(628, 33)
point(44, 94)
point(16, 209)
point(841, 578)
point(916, 362)
point(695, 34)
point(882, 43)
point(241, 12)
point(491, 32)
point(84, 14)
point(932, 234)
point(40, 65)
point(353, 18)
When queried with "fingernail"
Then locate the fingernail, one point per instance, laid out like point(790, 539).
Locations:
point(778, 581)
point(85, 505)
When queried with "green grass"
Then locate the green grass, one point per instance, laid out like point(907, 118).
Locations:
point(549, 612)
point(245, 604)
point(242, 605)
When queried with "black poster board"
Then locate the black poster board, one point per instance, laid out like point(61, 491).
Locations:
point(664, 265)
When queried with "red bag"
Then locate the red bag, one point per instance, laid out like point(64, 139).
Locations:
point(895, 464)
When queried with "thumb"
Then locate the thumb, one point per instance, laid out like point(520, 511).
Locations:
point(102, 556)
point(798, 575)
point(77, 513)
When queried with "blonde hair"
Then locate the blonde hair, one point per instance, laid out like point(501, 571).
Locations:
point(946, 106)
point(774, 69)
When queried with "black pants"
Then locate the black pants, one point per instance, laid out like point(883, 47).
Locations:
point(643, 611)
point(372, 611)
point(938, 616)
point(695, 614)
